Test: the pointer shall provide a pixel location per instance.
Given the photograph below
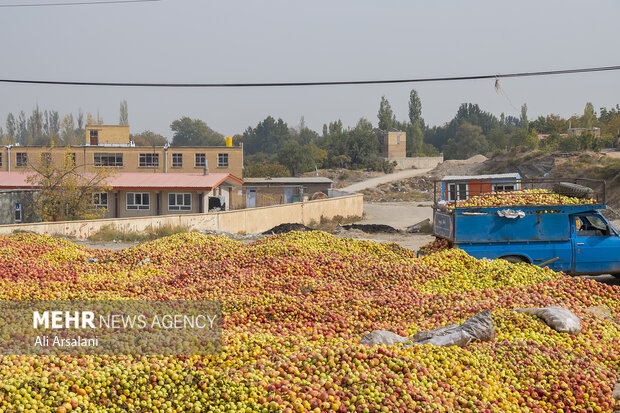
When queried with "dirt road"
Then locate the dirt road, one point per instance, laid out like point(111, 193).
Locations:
point(399, 215)
point(396, 176)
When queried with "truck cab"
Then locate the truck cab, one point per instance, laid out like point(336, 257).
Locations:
point(595, 245)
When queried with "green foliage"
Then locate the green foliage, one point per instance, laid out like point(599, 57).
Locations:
point(467, 112)
point(569, 144)
point(268, 136)
point(381, 165)
point(148, 138)
point(194, 132)
point(295, 157)
point(524, 140)
point(468, 141)
point(415, 108)
point(261, 169)
point(549, 124)
point(524, 121)
point(385, 115)
point(589, 117)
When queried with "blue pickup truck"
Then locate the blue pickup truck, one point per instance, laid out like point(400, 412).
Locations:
point(575, 238)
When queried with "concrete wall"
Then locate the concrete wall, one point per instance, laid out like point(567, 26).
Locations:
point(252, 220)
point(85, 155)
point(423, 162)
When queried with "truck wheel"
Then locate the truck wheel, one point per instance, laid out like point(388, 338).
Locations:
point(515, 259)
point(569, 189)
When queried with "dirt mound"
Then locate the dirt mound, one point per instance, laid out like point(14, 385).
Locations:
point(418, 188)
point(372, 228)
point(282, 228)
point(471, 166)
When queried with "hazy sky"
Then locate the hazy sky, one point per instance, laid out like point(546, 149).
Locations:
point(202, 41)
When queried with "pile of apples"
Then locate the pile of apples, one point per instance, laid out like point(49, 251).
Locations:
point(526, 197)
point(295, 308)
point(438, 244)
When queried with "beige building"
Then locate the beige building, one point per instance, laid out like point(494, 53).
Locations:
point(392, 144)
point(225, 159)
point(259, 192)
point(109, 145)
point(97, 135)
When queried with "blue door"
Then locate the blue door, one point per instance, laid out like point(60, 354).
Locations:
point(596, 245)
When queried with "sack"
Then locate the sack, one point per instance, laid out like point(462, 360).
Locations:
point(479, 327)
point(558, 318)
point(382, 337)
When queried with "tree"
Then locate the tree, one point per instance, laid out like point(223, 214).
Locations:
point(415, 140)
point(65, 193)
point(361, 144)
point(54, 126)
point(415, 107)
point(523, 119)
point(22, 129)
point(80, 126)
point(11, 127)
point(295, 157)
point(497, 139)
point(67, 135)
point(194, 132)
point(523, 140)
point(268, 136)
point(148, 138)
point(261, 169)
point(385, 115)
point(35, 127)
point(588, 116)
point(468, 141)
point(124, 114)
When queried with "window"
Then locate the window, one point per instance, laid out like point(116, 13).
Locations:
point(0, 158)
point(457, 192)
point(398, 140)
point(18, 212)
point(149, 159)
point(100, 199)
point(503, 188)
point(138, 201)
point(222, 160)
point(108, 159)
point(71, 157)
point(46, 158)
point(21, 159)
point(179, 202)
point(177, 160)
point(201, 159)
point(94, 137)
point(591, 226)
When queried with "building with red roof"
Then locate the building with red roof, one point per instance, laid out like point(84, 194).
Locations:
point(137, 194)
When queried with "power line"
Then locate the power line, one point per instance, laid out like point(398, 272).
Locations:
point(331, 83)
point(82, 3)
